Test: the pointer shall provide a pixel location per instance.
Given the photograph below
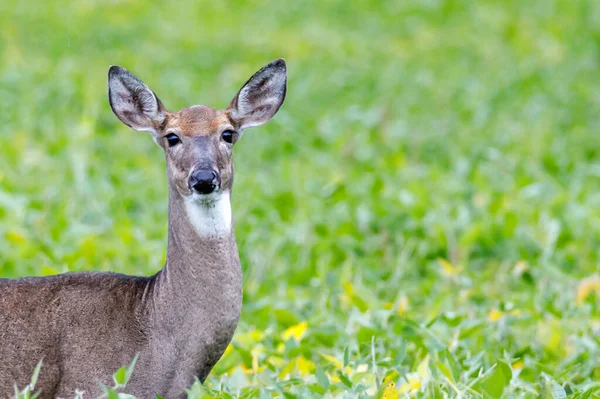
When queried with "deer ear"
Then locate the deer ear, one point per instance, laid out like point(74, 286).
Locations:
point(260, 98)
point(133, 102)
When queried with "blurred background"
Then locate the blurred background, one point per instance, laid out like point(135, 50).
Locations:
point(423, 210)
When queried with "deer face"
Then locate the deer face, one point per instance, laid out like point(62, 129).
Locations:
point(198, 140)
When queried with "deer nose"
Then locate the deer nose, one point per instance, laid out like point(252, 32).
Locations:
point(204, 181)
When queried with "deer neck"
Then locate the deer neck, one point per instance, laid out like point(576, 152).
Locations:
point(198, 294)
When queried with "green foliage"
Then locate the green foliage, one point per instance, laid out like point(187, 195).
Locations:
point(421, 219)
point(29, 391)
point(496, 380)
point(122, 376)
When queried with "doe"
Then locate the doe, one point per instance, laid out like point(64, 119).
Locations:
point(84, 326)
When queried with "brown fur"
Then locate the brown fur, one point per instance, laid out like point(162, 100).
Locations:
point(199, 120)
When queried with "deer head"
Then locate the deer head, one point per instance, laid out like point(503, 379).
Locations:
point(198, 140)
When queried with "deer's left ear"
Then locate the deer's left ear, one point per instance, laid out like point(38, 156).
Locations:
point(133, 102)
point(260, 98)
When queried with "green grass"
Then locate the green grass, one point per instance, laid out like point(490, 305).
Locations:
point(427, 201)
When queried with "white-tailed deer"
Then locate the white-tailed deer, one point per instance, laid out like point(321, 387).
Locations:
point(84, 326)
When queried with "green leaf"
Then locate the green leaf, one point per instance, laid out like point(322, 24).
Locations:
point(322, 379)
point(550, 389)
point(346, 356)
point(345, 380)
point(317, 388)
point(111, 393)
point(582, 395)
point(36, 374)
point(285, 317)
point(123, 374)
point(130, 368)
point(452, 319)
point(454, 366)
point(445, 371)
point(198, 391)
point(120, 376)
point(469, 331)
point(497, 380)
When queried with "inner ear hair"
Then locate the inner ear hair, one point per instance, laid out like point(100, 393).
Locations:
point(261, 97)
point(133, 102)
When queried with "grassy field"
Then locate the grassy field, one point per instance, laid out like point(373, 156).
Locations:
point(421, 219)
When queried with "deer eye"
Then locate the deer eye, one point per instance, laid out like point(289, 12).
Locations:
point(172, 139)
point(227, 136)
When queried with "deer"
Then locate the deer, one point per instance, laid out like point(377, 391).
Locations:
point(83, 326)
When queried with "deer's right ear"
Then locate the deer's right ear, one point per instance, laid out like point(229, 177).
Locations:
point(262, 95)
point(133, 102)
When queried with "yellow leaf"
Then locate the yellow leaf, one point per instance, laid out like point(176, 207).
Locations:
point(247, 370)
point(256, 335)
point(518, 365)
point(255, 354)
point(300, 364)
point(15, 237)
point(297, 331)
point(351, 297)
point(391, 377)
point(249, 338)
point(336, 363)
point(587, 286)
point(448, 269)
point(349, 293)
point(390, 391)
point(305, 366)
point(228, 350)
point(287, 370)
point(333, 378)
point(413, 383)
point(48, 271)
point(349, 289)
point(261, 369)
point(332, 360)
point(495, 315)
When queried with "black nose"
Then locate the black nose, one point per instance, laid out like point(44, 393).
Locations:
point(204, 181)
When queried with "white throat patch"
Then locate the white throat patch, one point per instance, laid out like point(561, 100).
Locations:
point(210, 218)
